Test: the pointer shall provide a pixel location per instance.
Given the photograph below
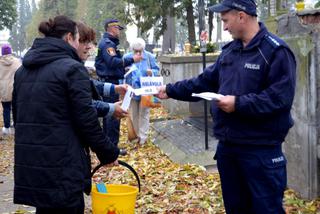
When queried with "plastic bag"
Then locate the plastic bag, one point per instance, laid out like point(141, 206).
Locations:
point(150, 101)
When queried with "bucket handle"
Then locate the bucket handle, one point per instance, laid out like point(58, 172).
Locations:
point(122, 163)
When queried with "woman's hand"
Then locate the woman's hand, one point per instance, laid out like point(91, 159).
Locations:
point(115, 163)
point(119, 112)
point(121, 89)
point(149, 72)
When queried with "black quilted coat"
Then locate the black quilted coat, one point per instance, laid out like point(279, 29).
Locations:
point(55, 124)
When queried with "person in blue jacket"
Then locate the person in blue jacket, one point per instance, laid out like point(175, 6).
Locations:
point(87, 37)
point(146, 67)
point(256, 73)
point(110, 68)
point(100, 90)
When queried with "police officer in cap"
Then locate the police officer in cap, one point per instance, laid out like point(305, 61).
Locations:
point(110, 67)
point(256, 73)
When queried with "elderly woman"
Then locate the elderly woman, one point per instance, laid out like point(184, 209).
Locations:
point(146, 67)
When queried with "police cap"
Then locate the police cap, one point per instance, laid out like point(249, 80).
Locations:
point(112, 22)
point(248, 6)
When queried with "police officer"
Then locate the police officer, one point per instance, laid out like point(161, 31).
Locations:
point(256, 74)
point(110, 68)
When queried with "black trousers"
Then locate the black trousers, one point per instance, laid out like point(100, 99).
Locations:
point(62, 210)
point(253, 178)
point(111, 125)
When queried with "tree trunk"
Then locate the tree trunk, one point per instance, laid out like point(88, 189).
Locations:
point(190, 22)
point(210, 19)
point(219, 32)
point(169, 36)
point(210, 25)
point(202, 26)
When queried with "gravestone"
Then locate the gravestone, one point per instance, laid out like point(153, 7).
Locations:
point(174, 68)
point(302, 146)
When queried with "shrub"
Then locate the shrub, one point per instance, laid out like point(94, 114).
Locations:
point(211, 47)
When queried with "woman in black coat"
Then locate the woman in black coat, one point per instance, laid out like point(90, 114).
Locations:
point(54, 123)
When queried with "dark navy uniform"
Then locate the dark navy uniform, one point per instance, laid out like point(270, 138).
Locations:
point(109, 62)
point(110, 68)
point(250, 161)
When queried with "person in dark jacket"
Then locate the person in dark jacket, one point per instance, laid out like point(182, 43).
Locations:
point(87, 38)
point(256, 75)
point(110, 67)
point(54, 123)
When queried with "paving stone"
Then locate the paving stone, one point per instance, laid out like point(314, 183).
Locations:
point(184, 141)
point(6, 197)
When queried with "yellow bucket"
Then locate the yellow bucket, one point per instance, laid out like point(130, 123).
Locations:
point(119, 199)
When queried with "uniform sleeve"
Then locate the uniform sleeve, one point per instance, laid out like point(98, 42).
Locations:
point(108, 89)
point(85, 117)
point(104, 88)
point(208, 81)
point(103, 109)
point(279, 93)
point(111, 58)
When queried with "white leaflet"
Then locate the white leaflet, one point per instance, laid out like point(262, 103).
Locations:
point(146, 91)
point(208, 95)
point(127, 98)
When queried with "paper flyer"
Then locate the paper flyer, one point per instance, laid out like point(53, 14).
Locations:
point(151, 90)
point(208, 95)
point(127, 98)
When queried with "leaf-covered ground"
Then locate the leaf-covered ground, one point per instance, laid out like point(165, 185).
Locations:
point(167, 187)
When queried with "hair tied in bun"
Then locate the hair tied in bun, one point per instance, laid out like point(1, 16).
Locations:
point(50, 23)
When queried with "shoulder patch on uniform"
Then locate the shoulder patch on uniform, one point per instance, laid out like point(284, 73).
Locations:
point(272, 41)
point(111, 51)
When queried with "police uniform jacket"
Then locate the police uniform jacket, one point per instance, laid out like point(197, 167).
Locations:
point(109, 62)
point(100, 89)
point(262, 77)
point(54, 123)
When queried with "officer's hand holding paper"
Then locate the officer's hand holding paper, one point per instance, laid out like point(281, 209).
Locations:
point(151, 90)
point(208, 96)
point(149, 86)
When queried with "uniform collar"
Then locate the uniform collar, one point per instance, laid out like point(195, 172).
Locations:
point(113, 39)
point(256, 40)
